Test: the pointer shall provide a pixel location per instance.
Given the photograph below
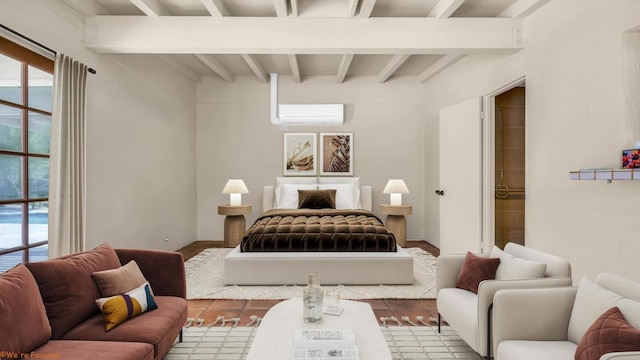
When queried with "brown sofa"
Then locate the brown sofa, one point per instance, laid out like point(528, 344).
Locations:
point(48, 309)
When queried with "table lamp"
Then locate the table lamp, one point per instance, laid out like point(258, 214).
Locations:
point(396, 187)
point(235, 187)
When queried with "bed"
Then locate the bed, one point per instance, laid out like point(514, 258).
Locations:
point(371, 257)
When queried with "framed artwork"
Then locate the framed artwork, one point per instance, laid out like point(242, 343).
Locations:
point(300, 151)
point(631, 159)
point(336, 154)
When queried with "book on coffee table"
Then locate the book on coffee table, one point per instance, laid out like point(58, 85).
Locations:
point(321, 344)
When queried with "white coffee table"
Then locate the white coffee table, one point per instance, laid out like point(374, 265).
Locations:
point(274, 339)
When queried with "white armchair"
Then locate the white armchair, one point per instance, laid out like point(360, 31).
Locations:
point(469, 313)
point(533, 324)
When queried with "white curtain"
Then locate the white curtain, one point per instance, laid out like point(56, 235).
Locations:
point(67, 159)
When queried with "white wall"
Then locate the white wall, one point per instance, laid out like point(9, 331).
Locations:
point(572, 62)
point(140, 136)
point(237, 140)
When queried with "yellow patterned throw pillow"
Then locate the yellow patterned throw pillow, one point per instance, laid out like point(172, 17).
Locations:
point(117, 309)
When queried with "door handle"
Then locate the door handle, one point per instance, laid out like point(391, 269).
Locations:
point(502, 191)
point(440, 192)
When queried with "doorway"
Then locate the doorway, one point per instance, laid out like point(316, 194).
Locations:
point(509, 157)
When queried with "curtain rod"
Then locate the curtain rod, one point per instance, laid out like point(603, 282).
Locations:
point(91, 70)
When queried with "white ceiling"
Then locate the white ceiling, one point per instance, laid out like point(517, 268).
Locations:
point(412, 39)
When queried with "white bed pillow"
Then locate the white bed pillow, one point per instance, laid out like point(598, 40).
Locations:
point(515, 268)
point(347, 195)
point(287, 195)
point(339, 180)
point(295, 180)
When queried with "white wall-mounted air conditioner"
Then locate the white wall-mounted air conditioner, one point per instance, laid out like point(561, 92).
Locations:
point(303, 114)
point(311, 114)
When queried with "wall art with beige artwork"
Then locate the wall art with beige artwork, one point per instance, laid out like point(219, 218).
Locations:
point(336, 154)
point(300, 151)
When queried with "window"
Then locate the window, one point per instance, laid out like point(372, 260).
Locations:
point(26, 84)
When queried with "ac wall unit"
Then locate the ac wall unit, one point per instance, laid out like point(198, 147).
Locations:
point(311, 114)
point(303, 114)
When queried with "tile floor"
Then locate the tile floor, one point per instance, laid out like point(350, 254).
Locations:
point(210, 310)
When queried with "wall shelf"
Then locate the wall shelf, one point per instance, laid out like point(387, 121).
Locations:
point(605, 174)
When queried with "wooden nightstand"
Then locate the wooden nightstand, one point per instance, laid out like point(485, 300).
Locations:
point(234, 223)
point(396, 222)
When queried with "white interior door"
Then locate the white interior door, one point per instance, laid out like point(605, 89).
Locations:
point(461, 177)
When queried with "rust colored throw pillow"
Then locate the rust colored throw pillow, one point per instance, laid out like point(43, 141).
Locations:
point(317, 199)
point(119, 281)
point(24, 322)
point(609, 333)
point(67, 288)
point(474, 270)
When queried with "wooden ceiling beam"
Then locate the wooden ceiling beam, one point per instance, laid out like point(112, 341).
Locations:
point(353, 7)
point(367, 8)
point(217, 67)
point(439, 66)
point(152, 8)
point(445, 8)
point(344, 67)
point(295, 69)
point(522, 8)
point(180, 67)
point(215, 7)
point(255, 66)
point(392, 66)
point(264, 35)
point(281, 8)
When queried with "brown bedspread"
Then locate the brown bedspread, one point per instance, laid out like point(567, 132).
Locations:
point(318, 230)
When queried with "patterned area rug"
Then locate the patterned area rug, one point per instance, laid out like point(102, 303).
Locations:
point(405, 342)
point(205, 281)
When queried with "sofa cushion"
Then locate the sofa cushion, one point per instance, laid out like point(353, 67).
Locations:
point(119, 308)
point(591, 301)
point(515, 268)
point(474, 270)
point(461, 307)
point(535, 350)
point(67, 288)
point(96, 350)
point(609, 333)
point(119, 281)
point(556, 266)
point(24, 322)
point(158, 328)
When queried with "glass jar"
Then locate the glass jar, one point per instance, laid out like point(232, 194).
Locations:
point(312, 299)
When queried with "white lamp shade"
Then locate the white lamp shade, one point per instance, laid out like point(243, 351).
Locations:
point(396, 186)
point(235, 186)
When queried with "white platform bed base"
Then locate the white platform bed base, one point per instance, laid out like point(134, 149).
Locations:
point(292, 268)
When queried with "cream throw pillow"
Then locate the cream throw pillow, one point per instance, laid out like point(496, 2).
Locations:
point(592, 300)
point(514, 268)
point(119, 281)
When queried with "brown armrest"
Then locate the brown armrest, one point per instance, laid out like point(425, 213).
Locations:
point(163, 269)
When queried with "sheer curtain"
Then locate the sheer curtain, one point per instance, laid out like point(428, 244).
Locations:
point(67, 159)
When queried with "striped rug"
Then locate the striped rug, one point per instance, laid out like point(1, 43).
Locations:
point(405, 342)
